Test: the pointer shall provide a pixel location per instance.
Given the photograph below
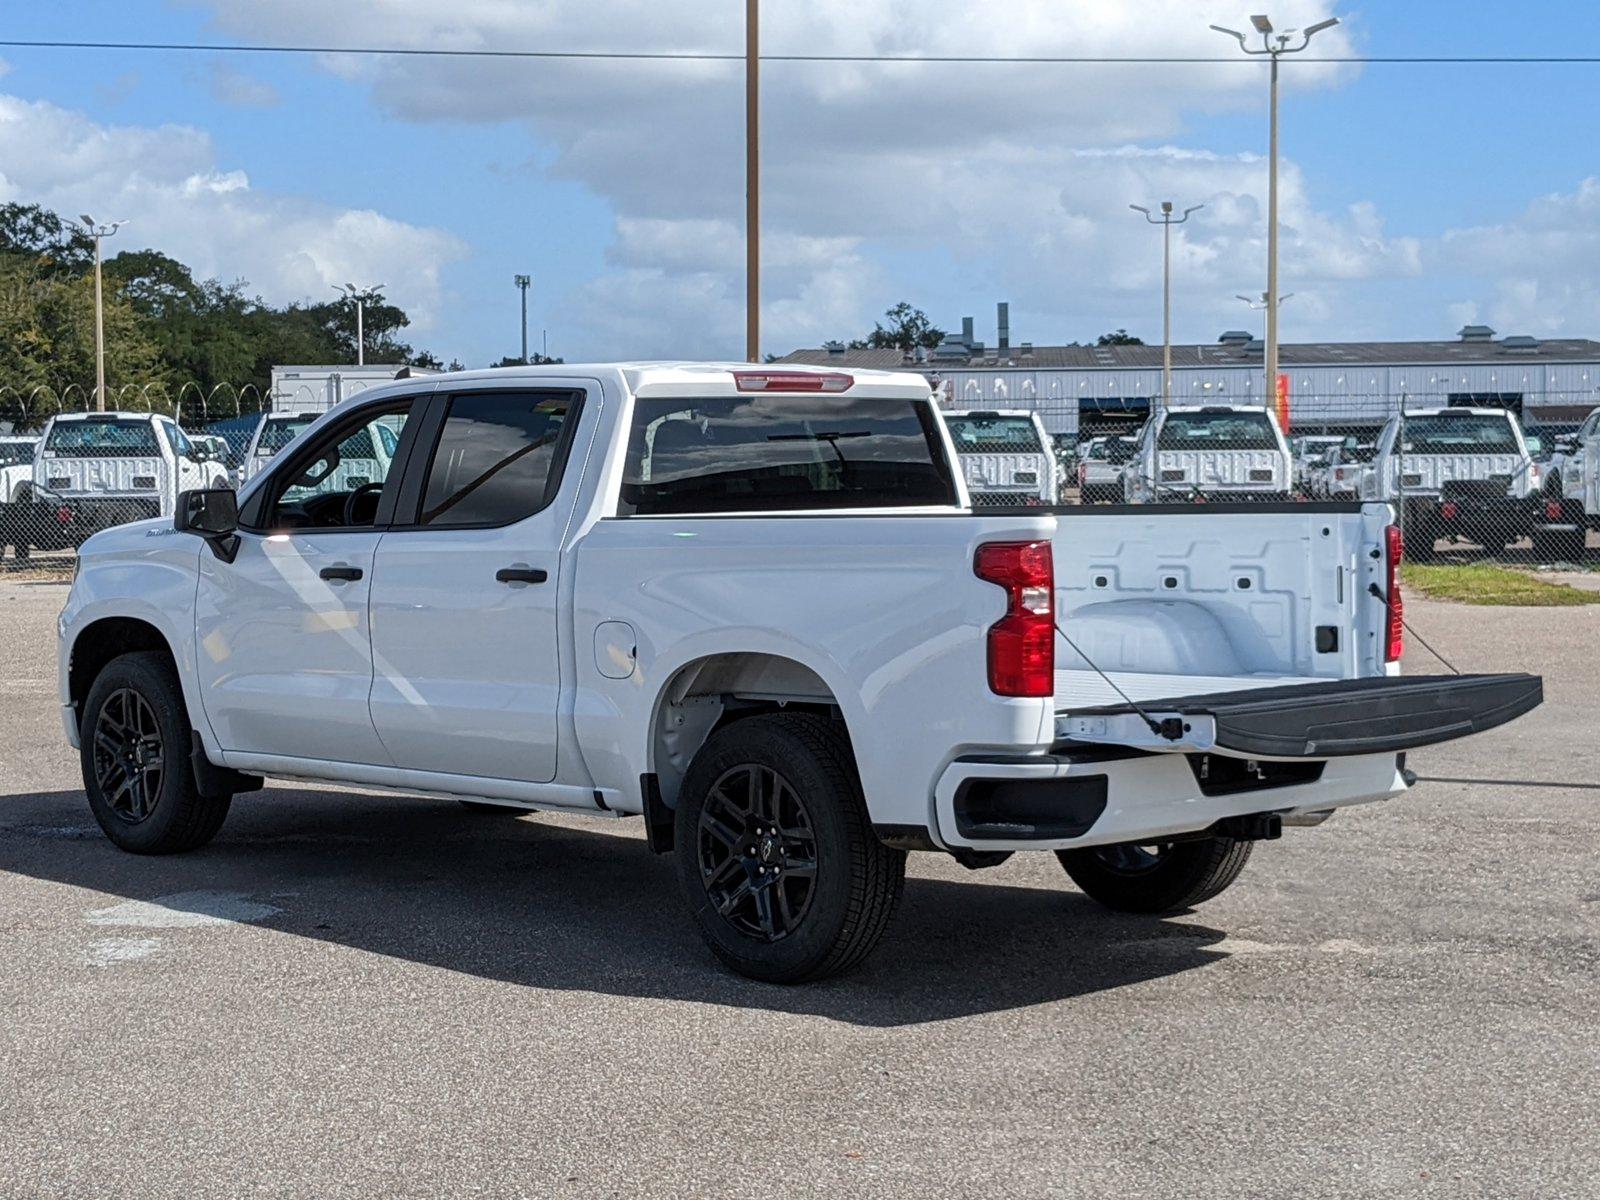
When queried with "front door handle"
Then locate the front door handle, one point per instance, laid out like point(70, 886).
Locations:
point(521, 575)
point(349, 574)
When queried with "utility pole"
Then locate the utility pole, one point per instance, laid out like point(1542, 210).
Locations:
point(99, 232)
point(1275, 46)
point(752, 180)
point(1166, 220)
point(359, 295)
point(522, 282)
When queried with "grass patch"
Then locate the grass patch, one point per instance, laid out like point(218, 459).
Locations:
point(1485, 583)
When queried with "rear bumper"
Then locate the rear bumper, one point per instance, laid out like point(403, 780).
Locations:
point(1097, 799)
point(1339, 718)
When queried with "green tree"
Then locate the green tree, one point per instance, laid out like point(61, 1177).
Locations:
point(1120, 338)
point(908, 328)
point(37, 233)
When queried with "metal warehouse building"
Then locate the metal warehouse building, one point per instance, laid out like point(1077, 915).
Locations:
point(1089, 390)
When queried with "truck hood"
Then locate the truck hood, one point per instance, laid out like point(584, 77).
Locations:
point(1239, 469)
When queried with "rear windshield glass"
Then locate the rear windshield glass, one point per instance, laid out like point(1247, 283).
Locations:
point(1217, 431)
point(12, 453)
point(1468, 433)
point(1359, 454)
point(278, 432)
point(111, 437)
point(993, 435)
point(770, 453)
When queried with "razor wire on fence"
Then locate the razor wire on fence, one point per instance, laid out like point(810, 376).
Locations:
point(1469, 477)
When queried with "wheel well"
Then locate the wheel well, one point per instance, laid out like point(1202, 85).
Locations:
point(99, 643)
point(711, 693)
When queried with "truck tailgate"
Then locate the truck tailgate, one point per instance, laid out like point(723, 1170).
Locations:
point(1297, 718)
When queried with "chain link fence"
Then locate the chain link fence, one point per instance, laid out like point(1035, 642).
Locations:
point(1471, 477)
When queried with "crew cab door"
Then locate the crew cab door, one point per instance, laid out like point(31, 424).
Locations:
point(284, 644)
point(464, 597)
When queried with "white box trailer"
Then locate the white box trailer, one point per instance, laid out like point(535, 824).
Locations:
point(316, 389)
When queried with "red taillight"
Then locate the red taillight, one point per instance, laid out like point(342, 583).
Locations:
point(64, 515)
point(792, 381)
point(1394, 642)
point(1083, 473)
point(1448, 510)
point(1022, 644)
point(1553, 510)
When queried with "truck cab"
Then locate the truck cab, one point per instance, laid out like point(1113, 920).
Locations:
point(1213, 451)
point(1006, 456)
point(98, 469)
point(754, 609)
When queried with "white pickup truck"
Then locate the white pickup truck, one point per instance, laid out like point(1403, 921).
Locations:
point(751, 606)
point(1006, 457)
point(1215, 451)
point(98, 469)
point(1458, 473)
point(1571, 498)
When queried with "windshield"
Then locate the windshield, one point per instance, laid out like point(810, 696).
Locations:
point(1359, 454)
point(1468, 433)
point(278, 432)
point(12, 453)
point(103, 437)
point(763, 453)
point(1217, 431)
point(977, 434)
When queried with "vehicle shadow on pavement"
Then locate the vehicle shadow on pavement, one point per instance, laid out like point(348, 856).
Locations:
point(543, 905)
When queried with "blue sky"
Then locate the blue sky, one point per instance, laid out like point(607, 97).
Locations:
point(1422, 195)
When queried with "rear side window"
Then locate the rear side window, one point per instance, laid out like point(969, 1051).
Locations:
point(1468, 433)
point(975, 433)
point(771, 453)
point(1217, 431)
point(497, 459)
point(103, 437)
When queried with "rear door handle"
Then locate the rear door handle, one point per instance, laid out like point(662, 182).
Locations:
point(349, 574)
point(521, 575)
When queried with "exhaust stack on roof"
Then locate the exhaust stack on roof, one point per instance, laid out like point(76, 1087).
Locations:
point(1003, 328)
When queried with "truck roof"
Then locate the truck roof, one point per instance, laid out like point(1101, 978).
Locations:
point(669, 378)
point(109, 415)
point(1214, 408)
point(1457, 410)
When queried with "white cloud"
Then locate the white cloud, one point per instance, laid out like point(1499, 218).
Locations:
point(167, 181)
point(238, 90)
point(1006, 171)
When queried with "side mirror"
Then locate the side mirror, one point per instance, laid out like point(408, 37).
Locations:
point(213, 514)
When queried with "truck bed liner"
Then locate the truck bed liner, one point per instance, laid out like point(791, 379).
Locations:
point(1331, 718)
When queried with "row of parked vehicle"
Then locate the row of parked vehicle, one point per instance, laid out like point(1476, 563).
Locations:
point(1459, 474)
point(89, 471)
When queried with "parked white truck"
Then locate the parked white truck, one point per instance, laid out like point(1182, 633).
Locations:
point(1211, 452)
point(1459, 473)
point(751, 605)
point(97, 469)
point(1006, 457)
point(1571, 499)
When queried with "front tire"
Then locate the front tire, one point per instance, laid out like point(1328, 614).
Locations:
point(776, 856)
point(136, 741)
point(1156, 878)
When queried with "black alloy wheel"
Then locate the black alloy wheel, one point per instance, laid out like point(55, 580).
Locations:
point(129, 755)
point(757, 852)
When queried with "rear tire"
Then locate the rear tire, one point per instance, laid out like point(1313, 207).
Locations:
point(1156, 878)
point(776, 856)
point(136, 741)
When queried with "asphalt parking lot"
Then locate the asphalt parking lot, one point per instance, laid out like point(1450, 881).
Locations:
point(351, 995)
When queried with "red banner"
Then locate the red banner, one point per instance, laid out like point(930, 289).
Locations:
point(1280, 403)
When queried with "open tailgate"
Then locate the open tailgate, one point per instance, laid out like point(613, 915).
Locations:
point(1309, 718)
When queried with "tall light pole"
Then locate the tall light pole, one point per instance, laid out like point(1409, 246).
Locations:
point(97, 232)
point(1275, 46)
point(1166, 220)
point(752, 180)
point(522, 282)
point(359, 295)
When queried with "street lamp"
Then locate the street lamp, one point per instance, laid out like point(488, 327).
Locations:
point(97, 232)
point(752, 180)
point(359, 295)
point(1274, 45)
point(523, 282)
point(1166, 220)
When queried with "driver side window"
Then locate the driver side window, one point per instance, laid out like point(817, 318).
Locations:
point(339, 481)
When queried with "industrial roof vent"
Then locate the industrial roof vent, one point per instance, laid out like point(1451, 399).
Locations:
point(952, 349)
point(1235, 337)
point(1255, 346)
point(1521, 344)
point(833, 347)
point(1027, 351)
point(1476, 333)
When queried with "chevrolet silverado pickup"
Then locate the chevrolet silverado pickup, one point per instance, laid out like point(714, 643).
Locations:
point(752, 607)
